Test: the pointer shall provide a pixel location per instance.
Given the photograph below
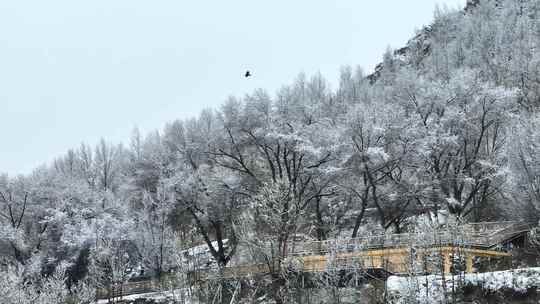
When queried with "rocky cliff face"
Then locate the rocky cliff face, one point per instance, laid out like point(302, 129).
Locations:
point(471, 4)
point(420, 44)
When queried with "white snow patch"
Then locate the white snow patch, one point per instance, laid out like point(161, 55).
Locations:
point(430, 289)
point(159, 296)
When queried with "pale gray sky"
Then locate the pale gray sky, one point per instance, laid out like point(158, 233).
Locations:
point(74, 71)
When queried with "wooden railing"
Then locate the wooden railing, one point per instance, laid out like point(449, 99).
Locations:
point(475, 235)
point(240, 271)
point(128, 288)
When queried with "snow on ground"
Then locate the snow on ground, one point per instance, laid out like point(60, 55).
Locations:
point(428, 289)
point(156, 296)
point(151, 295)
point(202, 249)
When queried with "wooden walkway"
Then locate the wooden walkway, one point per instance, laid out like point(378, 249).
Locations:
point(476, 235)
point(390, 252)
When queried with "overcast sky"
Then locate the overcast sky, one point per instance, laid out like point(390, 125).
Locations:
point(74, 71)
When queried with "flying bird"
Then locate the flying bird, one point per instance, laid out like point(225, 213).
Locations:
point(248, 74)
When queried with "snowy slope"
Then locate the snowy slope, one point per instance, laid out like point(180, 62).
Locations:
point(429, 289)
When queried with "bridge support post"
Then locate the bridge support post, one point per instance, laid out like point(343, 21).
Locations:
point(468, 263)
point(446, 262)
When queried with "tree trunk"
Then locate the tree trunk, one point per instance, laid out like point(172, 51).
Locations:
point(275, 288)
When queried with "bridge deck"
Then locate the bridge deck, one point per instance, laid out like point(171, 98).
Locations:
point(390, 252)
point(476, 235)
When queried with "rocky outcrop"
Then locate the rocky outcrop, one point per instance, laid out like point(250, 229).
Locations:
point(471, 4)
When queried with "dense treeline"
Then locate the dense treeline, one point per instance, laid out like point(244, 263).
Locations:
point(448, 125)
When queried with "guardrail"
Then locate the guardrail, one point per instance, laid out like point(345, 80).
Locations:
point(479, 235)
point(128, 288)
point(474, 235)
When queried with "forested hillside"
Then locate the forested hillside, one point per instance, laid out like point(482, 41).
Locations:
point(446, 130)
